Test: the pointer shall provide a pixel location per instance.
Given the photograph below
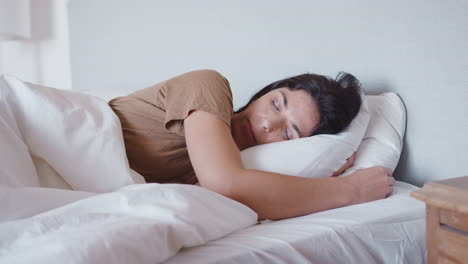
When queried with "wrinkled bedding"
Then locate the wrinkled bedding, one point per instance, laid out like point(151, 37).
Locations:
point(389, 231)
point(141, 223)
point(68, 196)
point(96, 211)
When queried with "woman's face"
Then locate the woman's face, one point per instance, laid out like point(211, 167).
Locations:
point(281, 114)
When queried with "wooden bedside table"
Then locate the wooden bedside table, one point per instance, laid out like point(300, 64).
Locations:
point(446, 219)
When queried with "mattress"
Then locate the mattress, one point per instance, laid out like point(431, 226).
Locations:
point(391, 230)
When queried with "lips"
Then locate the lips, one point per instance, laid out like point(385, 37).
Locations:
point(250, 132)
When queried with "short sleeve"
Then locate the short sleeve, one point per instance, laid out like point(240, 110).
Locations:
point(204, 90)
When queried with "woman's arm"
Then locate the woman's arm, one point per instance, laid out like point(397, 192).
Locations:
point(218, 166)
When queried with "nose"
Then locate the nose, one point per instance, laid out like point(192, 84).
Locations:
point(272, 124)
point(273, 128)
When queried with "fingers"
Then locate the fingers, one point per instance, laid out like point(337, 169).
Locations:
point(390, 184)
point(349, 163)
point(381, 169)
point(389, 191)
point(388, 171)
point(390, 181)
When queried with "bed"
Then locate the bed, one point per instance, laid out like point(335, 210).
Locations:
point(63, 203)
point(99, 210)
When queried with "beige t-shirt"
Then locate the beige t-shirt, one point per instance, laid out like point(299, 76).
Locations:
point(153, 122)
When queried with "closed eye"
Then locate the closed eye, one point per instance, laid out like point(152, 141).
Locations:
point(275, 104)
point(287, 134)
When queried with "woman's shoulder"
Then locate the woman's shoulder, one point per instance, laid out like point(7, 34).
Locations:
point(204, 83)
point(207, 74)
point(205, 90)
point(205, 78)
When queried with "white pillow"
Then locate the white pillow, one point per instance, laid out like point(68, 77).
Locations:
point(77, 135)
point(316, 156)
point(16, 166)
point(383, 141)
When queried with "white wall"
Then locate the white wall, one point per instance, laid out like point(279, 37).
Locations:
point(417, 48)
point(45, 57)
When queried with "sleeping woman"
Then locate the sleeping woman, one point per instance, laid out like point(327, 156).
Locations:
point(184, 130)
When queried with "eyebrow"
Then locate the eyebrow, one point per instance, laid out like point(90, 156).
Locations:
point(285, 102)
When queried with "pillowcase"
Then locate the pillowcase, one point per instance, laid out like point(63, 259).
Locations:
point(383, 141)
point(74, 135)
point(317, 156)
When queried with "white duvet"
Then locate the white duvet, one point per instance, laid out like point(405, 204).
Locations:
point(96, 212)
point(136, 224)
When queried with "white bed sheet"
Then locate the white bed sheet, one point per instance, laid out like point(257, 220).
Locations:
point(391, 230)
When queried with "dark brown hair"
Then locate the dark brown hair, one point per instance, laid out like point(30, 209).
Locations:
point(338, 100)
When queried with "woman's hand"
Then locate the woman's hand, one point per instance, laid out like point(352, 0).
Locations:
point(371, 184)
point(349, 163)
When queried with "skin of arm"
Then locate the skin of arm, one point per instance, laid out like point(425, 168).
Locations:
point(218, 166)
